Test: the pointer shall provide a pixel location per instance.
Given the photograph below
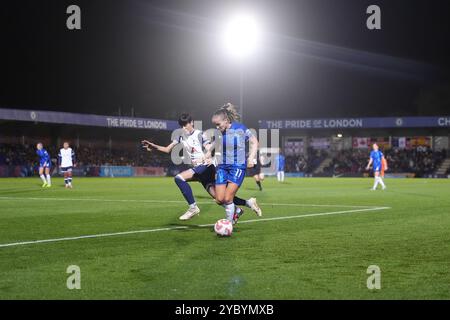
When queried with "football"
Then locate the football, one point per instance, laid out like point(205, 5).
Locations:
point(223, 228)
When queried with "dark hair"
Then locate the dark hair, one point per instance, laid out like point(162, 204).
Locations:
point(184, 119)
point(228, 111)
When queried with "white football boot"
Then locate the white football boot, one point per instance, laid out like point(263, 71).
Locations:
point(254, 206)
point(190, 213)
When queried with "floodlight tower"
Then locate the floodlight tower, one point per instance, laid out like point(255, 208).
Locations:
point(242, 36)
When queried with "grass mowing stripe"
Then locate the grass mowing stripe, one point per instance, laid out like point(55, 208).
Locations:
point(185, 227)
point(178, 201)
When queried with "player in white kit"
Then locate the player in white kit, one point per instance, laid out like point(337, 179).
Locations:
point(66, 158)
point(193, 142)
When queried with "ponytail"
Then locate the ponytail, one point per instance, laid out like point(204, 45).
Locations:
point(228, 111)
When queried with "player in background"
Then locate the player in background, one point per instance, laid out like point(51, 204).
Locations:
point(280, 163)
point(376, 159)
point(202, 170)
point(231, 168)
point(45, 165)
point(255, 172)
point(66, 161)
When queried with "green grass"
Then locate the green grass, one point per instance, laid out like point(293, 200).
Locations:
point(315, 257)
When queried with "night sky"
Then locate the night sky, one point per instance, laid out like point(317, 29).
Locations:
point(162, 57)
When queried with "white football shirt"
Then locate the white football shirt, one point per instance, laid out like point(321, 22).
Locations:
point(66, 156)
point(193, 145)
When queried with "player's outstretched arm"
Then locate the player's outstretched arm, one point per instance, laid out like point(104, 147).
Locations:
point(253, 144)
point(209, 147)
point(149, 145)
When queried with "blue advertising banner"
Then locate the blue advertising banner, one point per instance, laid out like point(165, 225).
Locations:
point(87, 119)
point(116, 171)
point(348, 123)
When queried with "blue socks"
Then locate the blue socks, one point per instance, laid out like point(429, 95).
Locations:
point(185, 189)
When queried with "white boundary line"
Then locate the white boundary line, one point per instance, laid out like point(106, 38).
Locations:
point(101, 235)
point(179, 201)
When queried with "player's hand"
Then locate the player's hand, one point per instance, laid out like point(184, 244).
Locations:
point(367, 168)
point(147, 145)
point(207, 161)
point(250, 163)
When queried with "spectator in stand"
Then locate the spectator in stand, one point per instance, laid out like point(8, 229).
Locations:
point(421, 161)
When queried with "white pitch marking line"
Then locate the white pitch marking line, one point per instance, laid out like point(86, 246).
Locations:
point(185, 227)
point(305, 215)
point(90, 236)
point(179, 201)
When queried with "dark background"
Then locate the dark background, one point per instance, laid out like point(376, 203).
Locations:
point(162, 57)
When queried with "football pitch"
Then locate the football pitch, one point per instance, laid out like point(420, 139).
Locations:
point(316, 239)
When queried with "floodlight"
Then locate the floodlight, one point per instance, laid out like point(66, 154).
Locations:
point(242, 35)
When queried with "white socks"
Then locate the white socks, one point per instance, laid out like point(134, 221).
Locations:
point(229, 210)
point(43, 178)
point(49, 180)
point(280, 176)
point(192, 206)
point(381, 182)
point(378, 180)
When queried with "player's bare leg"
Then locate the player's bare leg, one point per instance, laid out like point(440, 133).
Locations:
point(250, 203)
point(224, 196)
point(258, 181)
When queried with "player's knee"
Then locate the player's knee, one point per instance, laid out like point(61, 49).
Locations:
point(178, 179)
point(228, 199)
point(220, 199)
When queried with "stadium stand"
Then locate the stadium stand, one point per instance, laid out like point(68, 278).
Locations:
point(420, 162)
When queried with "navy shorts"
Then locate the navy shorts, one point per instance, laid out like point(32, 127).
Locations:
point(206, 175)
point(230, 174)
point(255, 170)
point(66, 169)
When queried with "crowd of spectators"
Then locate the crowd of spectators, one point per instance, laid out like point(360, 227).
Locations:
point(421, 161)
point(25, 155)
point(306, 163)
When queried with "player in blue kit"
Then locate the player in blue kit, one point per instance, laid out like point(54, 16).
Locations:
point(232, 162)
point(280, 163)
point(193, 141)
point(376, 160)
point(45, 165)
